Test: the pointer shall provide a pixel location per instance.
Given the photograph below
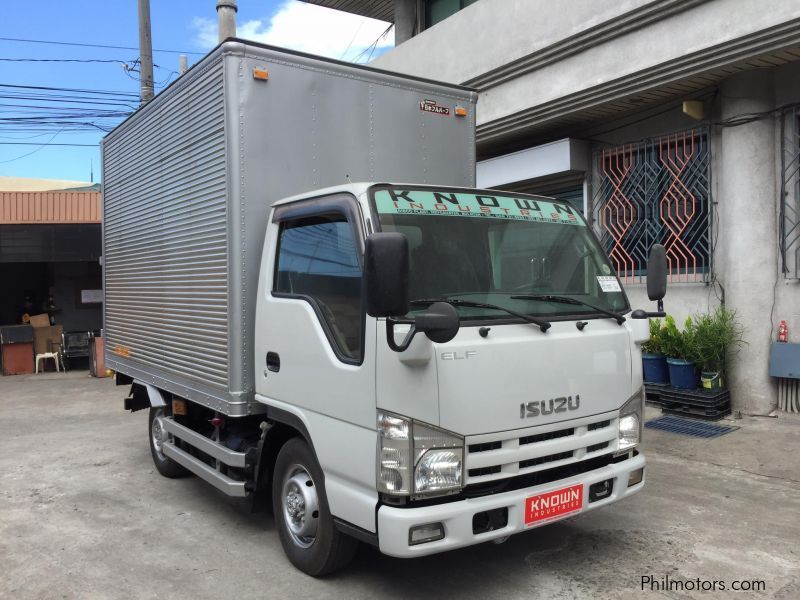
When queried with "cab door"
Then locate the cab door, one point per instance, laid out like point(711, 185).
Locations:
point(313, 350)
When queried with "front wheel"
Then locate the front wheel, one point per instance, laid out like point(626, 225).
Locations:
point(305, 526)
point(165, 465)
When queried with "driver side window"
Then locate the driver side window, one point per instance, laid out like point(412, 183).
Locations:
point(317, 260)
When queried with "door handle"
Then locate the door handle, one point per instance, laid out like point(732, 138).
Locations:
point(273, 362)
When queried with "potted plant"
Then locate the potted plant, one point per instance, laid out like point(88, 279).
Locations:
point(678, 346)
point(654, 363)
point(717, 334)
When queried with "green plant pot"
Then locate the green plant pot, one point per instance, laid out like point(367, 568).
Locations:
point(710, 380)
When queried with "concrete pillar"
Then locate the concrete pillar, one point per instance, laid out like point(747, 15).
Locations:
point(746, 253)
point(405, 20)
point(226, 17)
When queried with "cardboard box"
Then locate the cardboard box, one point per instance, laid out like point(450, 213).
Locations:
point(42, 320)
point(47, 339)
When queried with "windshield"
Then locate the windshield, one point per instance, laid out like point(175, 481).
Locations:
point(495, 247)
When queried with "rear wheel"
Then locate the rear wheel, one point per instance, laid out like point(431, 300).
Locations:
point(305, 526)
point(166, 466)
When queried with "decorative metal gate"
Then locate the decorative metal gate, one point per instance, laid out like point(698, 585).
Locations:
point(790, 194)
point(656, 191)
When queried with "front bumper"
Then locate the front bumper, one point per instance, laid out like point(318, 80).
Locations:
point(456, 517)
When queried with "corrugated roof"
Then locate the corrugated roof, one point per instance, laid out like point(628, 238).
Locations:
point(17, 208)
point(27, 184)
point(377, 9)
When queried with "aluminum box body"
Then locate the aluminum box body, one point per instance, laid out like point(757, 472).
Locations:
point(189, 178)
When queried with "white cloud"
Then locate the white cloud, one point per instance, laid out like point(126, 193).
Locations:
point(308, 28)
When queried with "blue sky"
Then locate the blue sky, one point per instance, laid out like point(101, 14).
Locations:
point(28, 147)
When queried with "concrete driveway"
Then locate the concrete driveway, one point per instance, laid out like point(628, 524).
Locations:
point(83, 514)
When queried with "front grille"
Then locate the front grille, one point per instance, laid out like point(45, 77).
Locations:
point(513, 453)
point(532, 462)
point(477, 490)
point(485, 447)
point(596, 447)
point(484, 471)
point(542, 437)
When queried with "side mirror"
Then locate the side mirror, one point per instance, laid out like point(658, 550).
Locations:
point(386, 274)
point(657, 273)
point(656, 282)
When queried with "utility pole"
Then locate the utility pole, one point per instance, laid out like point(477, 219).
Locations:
point(145, 52)
point(183, 64)
point(226, 18)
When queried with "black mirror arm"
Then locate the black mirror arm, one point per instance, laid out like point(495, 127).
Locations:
point(402, 346)
point(643, 314)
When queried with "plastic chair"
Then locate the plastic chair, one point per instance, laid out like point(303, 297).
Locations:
point(56, 356)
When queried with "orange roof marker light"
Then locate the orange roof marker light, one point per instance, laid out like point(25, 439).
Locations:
point(262, 74)
point(461, 111)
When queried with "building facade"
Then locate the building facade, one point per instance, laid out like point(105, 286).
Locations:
point(669, 121)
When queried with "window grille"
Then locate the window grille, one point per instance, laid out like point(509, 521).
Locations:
point(656, 191)
point(789, 221)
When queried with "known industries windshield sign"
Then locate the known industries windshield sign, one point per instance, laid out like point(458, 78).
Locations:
point(400, 201)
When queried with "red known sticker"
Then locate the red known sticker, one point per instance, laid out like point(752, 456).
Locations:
point(552, 505)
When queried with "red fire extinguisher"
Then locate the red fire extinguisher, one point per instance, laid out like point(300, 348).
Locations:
point(783, 332)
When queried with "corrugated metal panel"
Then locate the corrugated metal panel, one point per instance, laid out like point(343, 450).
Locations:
point(166, 253)
point(21, 208)
point(376, 9)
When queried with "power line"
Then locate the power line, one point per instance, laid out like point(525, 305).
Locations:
point(47, 144)
point(80, 45)
point(352, 39)
point(2, 162)
point(373, 46)
point(74, 90)
point(65, 60)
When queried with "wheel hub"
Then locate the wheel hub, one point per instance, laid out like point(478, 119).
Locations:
point(157, 433)
point(300, 506)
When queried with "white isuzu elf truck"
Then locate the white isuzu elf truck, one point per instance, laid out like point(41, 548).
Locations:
point(419, 366)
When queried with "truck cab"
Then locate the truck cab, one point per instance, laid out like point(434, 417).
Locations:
point(461, 364)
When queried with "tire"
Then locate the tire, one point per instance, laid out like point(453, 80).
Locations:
point(166, 466)
point(311, 541)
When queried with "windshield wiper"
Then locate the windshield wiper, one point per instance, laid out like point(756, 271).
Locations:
point(565, 300)
point(543, 325)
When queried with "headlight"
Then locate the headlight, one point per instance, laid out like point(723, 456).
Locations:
point(439, 470)
point(630, 422)
point(434, 457)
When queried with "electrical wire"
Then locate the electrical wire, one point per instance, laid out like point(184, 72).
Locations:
point(73, 90)
point(47, 143)
point(84, 45)
point(64, 60)
point(44, 109)
point(371, 48)
point(353, 39)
